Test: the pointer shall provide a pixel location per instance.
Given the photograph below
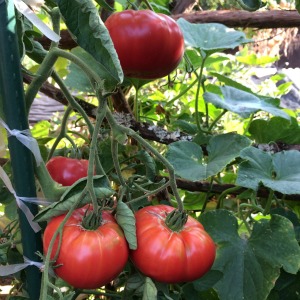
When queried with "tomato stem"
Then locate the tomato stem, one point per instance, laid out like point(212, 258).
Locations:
point(92, 220)
point(176, 219)
point(128, 131)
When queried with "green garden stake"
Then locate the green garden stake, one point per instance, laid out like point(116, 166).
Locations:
point(22, 163)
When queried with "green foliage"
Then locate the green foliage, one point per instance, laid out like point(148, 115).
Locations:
point(278, 172)
point(253, 263)
point(187, 157)
point(213, 119)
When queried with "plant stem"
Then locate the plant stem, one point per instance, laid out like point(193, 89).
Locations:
point(269, 203)
point(212, 125)
point(148, 147)
point(62, 133)
point(198, 92)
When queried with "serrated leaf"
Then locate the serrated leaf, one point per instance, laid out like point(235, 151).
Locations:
point(253, 264)
point(279, 172)
point(150, 291)
point(71, 196)
point(212, 37)
point(208, 280)
point(83, 21)
point(187, 157)
point(126, 220)
point(242, 103)
point(275, 130)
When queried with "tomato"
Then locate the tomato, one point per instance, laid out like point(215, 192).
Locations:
point(87, 259)
point(169, 256)
point(66, 171)
point(149, 45)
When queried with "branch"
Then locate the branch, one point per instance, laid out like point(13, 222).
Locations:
point(198, 186)
point(123, 115)
point(241, 18)
point(230, 18)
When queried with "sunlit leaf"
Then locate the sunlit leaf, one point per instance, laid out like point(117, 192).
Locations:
point(83, 21)
point(242, 103)
point(212, 37)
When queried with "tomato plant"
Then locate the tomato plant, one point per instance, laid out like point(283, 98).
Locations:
point(66, 171)
point(87, 258)
point(172, 256)
point(149, 45)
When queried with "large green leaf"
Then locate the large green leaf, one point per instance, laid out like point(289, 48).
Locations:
point(242, 103)
point(71, 196)
point(212, 37)
point(250, 266)
point(275, 130)
point(83, 21)
point(187, 157)
point(279, 172)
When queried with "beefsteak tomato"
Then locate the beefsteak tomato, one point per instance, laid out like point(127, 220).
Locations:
point(87, 259)
point(66, 171)
point(169, 256)
point(149, 45)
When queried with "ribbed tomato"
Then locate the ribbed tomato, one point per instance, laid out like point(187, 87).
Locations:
point(87, 259)
point(149, 45)
point(65, 170)
point(169, 256)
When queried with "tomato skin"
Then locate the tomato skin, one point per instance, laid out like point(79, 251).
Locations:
point(149, 45)
point(89, 258)
point(168, 256)
point(65, 170)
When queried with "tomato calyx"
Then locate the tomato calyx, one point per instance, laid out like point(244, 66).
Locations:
point(176, 219)
point(92, 220)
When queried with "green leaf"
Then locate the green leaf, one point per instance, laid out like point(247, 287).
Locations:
point(187, 157)
point(279, 172)
point(254, 60)
point(253, 264)
point(212, 37)
point(208, 280)
point(72, 195)
point(242, 103)
point(275, 130)
point(250, 5)
point(150, 291)
point(298, 6)
point(126, 220)
point(83, 21)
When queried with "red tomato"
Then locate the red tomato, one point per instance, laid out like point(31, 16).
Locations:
point(149, 45)
point(66, 170)
point(168, 256)
point(88, 259)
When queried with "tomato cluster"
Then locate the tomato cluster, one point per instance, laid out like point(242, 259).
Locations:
point(149, 45)
point(89, 259)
